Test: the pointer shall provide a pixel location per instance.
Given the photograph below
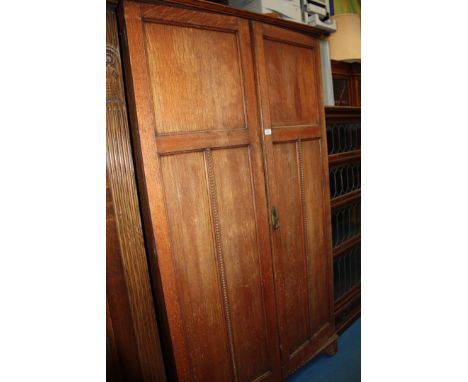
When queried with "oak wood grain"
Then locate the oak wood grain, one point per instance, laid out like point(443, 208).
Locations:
point(178, 143)
point(207, 188)
point(140, 330)
point(122, 341)
point(290, 262)
point(188, 17)
point(292, 133)
point(143, 129)
point(288, 73)
point(290, 64)
point(185, 98)
point(211, 7)
point(194, 256)
point(202, 178)
point(314, 212)
point(243, 273)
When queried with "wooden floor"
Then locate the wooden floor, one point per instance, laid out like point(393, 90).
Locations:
point(345, 366)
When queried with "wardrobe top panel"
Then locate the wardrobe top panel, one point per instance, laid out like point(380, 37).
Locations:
point(201, 69)
point(223, 9)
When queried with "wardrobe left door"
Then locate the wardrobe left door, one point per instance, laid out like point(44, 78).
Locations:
point(196, 128)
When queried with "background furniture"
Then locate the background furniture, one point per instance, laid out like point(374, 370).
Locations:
point(228, 134)
point(346, 83)
point(344, 149)
point(133, 344)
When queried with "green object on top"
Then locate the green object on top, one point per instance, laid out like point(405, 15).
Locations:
point(347, 6)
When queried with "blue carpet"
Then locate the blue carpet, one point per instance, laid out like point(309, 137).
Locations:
point(345, 366)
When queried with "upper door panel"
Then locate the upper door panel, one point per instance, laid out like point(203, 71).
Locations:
point(291, 88)
point(195, 77)
point(195, 64)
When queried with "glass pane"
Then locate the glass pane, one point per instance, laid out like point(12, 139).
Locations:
point(341, 91)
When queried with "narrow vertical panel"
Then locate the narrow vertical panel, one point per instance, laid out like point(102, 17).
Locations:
point(219, 252)
point(119, 310)
point(238, 225)
point(290, 259)
point(318, 257)
point(193, 251)
point(288, 72)
point(132, 282)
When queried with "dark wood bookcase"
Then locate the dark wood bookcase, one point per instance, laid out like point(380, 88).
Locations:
point(346, 83)
point(344, 157)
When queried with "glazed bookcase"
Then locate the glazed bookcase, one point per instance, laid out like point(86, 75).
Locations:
point(344, 158)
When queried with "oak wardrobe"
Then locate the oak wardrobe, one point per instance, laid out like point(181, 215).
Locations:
point(229, 139)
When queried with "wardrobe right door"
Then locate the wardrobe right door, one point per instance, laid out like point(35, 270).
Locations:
point(293, 130)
